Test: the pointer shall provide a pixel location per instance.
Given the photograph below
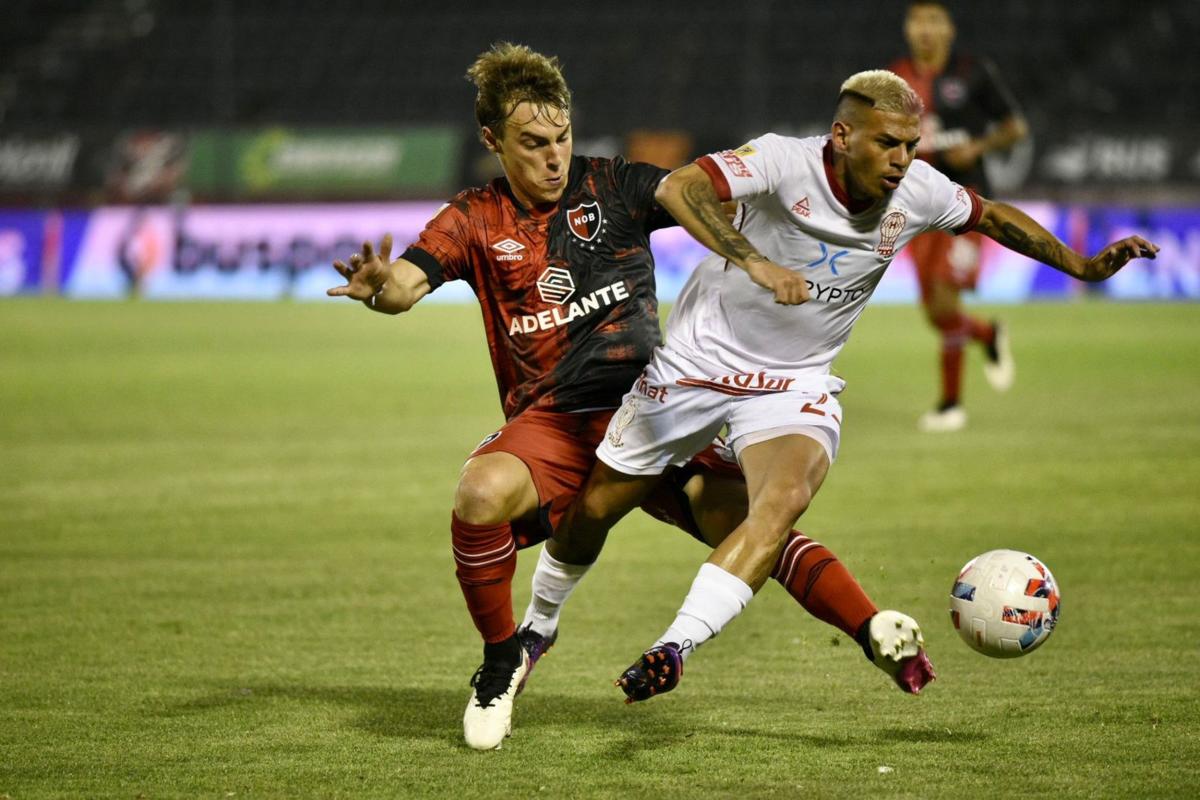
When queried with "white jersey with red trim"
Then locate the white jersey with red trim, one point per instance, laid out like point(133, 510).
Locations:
point(796, 213)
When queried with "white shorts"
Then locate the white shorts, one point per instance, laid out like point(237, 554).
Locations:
point(677, 407)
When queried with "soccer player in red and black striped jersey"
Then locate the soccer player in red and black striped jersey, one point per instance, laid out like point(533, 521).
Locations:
point(557, 252)
point(969, 113)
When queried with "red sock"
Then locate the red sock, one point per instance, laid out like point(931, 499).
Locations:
point(813, 575)
point(486, 556)
point(955, 330)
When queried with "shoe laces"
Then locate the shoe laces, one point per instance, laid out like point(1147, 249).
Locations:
point(491, 680)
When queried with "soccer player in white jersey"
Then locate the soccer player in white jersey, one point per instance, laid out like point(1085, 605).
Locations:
point(753, 336)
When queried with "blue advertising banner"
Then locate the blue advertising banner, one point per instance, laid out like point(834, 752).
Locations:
point(22, 241)
point(263, 252)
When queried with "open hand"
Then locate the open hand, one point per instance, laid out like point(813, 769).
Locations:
point(366, 273)
point(789, 288)
point(1106, 263)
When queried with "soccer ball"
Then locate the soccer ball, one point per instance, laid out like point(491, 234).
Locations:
point(1005, 603)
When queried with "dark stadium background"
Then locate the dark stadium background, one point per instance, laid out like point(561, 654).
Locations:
point(1109, 87)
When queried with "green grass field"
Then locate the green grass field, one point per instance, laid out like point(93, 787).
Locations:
point(225, 572)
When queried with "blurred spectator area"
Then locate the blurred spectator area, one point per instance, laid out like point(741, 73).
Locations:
point(226, 100)
point(707, 67)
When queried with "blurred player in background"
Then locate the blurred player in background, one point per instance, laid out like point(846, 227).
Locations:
point(751, 342)
point(969, 113)
point(558, 254)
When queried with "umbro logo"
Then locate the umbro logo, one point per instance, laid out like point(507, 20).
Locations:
point(801, 207)
point(509, 250)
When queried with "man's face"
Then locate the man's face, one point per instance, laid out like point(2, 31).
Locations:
point(879, 147)
point(928, 30)
point(535, 152)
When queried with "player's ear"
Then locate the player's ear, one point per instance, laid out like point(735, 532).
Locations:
point(839, 134)
point(489, 140)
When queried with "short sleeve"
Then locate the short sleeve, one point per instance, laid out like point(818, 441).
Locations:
point(952, 207)
point(637, 182)
point(442, 251)
point(755, 168)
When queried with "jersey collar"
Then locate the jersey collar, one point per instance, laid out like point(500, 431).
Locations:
point(839, 191)
point(535, 214)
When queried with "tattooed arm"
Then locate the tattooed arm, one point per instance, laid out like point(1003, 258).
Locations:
point(1016, 231)
point(688, 194)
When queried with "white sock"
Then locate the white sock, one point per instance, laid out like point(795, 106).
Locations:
point(716, 597)
point(553, 582)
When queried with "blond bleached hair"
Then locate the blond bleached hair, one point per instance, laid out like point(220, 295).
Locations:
point(509, 74)
point(882, 90)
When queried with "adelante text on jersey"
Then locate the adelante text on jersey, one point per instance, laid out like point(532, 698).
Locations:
point(560, 315)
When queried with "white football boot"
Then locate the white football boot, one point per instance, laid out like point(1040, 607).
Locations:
point(1000, 369)
point(488, 718)
point(945, 420)
point(898, 648)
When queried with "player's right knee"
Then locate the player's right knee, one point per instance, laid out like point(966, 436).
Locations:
point(484, 497)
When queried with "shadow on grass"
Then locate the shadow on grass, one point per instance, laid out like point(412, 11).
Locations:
point(434, 715)
point(398, 712)
point(407, 712)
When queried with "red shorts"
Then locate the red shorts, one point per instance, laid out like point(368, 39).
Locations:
point(560, 450)
point(946, 259)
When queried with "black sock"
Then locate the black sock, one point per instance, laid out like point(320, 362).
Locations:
point(863, 637)
point(989, 347)
point(505, 652)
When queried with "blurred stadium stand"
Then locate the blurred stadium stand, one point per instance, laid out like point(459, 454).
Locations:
point(703, 66)
point(1126, 72)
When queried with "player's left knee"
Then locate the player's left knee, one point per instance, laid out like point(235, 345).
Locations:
point(797, 501)
point(945, 318)
point(610, 495)
point(783, 506)
point(591, 511)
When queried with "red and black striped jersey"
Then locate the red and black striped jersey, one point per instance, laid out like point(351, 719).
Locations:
point(961, 102)
point(568, 297)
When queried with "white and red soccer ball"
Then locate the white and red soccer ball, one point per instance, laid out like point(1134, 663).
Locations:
point(1005, 603)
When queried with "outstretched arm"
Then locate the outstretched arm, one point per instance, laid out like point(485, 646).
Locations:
point(383, 285)
point(688, 194)
point(965, 156)
point(1015, 230)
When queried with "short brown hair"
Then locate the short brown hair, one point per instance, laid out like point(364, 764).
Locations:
point(509, 74)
